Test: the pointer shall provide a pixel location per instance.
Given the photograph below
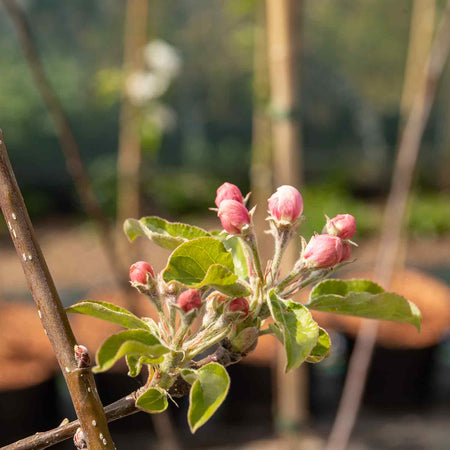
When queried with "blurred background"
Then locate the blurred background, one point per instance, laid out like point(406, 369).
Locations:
point(115, 109)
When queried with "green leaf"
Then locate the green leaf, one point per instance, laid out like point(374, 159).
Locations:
point(189, 375)
point(207, 394)
point(152, 326)
point(276, 331)
point(322, 348)
point(153, 400)
point(204, 261)
point(135, 363)
point(221, 279)
point(365, 299)
point(109, 312)
point(129, 342)
point(299, 330)
point(166, 234)
point(190, 262)
point(240, 262)
point(343, 287)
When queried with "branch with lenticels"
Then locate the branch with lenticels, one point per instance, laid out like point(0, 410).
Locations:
point(122, 407)
point(80, 380)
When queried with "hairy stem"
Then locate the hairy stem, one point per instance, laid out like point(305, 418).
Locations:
point(208, 341)
point(296, 272)
point(250, 241)
point(282, 237)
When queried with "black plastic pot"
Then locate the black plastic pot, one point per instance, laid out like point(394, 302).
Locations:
point(246, 413)
point(114, 385)
point(326, 379)
point(26, 411)
point(400, 378)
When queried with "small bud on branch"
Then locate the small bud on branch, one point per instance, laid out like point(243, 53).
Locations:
point(228, 191)
point(233, 215)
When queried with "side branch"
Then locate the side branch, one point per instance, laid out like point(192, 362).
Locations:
point(122, 407)
point(80, 382)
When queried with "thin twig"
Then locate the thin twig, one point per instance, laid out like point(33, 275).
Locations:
point(122, 407)
point(117, 410)
point(391, 233)
point(80, 382)
point(66, 137)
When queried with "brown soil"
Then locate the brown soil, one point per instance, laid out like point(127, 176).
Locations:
point(26, 356)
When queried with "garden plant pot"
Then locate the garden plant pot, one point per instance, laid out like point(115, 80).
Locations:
point(28, 391)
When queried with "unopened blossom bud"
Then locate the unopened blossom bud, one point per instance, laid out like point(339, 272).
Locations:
point(217, 299)
point(233, 216)
point(343, 226)
point(239, 304)
point(79, 440)
point(286, 205)
point(322, 251)
point(139, 271)
point(346, 251)
point(82, 356)
point(189, 300)
point(228, 191)
point(245, 342)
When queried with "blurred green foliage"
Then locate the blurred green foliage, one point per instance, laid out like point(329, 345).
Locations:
point(429, 213)
point(351, 78)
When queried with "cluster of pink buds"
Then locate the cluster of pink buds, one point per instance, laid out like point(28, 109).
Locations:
point(285, 208)
point(189, 303)
point(232, 212)
point(327, 250)
point(236, 319)
point(215, 299)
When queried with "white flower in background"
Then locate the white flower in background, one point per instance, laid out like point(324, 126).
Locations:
point(142, 87)
point(162, 116)
point(162, 58)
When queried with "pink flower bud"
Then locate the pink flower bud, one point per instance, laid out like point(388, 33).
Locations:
point(189, 300)
point(322, 251)
point(346, 251)
point(139, 271)
point(343, 226)
point(228, 191)
point(286, 204)
point(233, 216)
point(239, 304)
point(79, 440)
point(82, 356)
